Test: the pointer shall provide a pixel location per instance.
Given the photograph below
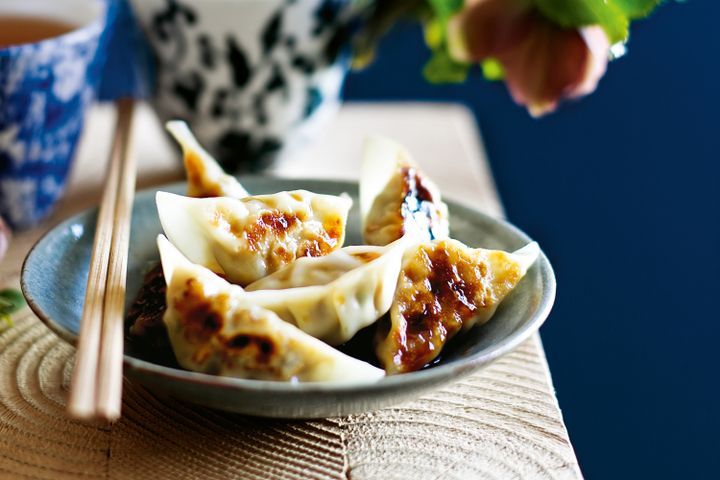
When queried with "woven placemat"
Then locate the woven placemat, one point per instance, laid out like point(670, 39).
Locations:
point(501, 423)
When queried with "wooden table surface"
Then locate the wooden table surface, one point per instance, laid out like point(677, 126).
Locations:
point(501, 423)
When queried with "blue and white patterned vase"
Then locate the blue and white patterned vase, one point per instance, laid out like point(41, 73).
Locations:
point(251, 77)
point(45, 88)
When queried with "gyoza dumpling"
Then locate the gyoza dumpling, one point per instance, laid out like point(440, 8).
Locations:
point(445, 287)
point(311, 271)
point(213, 330)
point(396, 198)
point(333, 297)
point(206, 177)
point(249, 238)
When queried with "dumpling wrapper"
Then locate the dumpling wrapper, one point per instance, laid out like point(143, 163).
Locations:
point(396, 197)
point(445, 287)
point(249, 238)
point(312, 271)
point(335, 296)
point(213, 330)
point(206, 178)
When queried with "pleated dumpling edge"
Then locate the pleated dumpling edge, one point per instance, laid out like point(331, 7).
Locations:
point(250, 238)
point(214, 330)
point(205, 176)
point(444, 288)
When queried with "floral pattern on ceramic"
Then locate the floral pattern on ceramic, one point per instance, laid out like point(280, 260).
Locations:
point(248, 76)
point(44, 90)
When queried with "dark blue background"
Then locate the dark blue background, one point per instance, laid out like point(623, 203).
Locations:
point(622, 191)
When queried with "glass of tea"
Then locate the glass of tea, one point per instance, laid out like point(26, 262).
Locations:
point(49, 70)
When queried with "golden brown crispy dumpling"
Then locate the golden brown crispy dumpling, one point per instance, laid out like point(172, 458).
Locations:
point(205, 177)
point(445, 287)
point(397, 198)
point(249, 238)
point(212, 329)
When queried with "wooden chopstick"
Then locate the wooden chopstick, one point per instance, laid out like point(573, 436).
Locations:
point(111, 346)
point(96, 386)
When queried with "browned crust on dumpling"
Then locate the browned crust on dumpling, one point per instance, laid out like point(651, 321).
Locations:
point(439, 290)
point(200, 317)
point(203, 319)
point(282, 237)
point(269, 224)
point(366, 257)
point(413, 198)
point(334, 228)
point(198, 187)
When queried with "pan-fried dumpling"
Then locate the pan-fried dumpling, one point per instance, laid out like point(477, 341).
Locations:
point(213, 330)
point(247, 239)
point(445, 287)
point(335, 296)
point(396, 198)
point(311, 271)
point(205, 177)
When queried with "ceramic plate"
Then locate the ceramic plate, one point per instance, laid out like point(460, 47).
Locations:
point(55, 272)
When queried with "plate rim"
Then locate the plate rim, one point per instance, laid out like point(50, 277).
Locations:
point(435, 374)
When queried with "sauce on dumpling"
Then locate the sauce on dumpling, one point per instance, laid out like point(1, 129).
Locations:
point(397, 198)
point(409, 203)
point(444, 287)
point(420, 204)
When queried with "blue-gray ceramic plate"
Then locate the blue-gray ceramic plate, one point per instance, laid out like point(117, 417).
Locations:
point(55, 272)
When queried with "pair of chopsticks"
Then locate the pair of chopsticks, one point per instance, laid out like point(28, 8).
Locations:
point(96, 388)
